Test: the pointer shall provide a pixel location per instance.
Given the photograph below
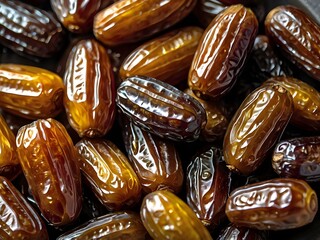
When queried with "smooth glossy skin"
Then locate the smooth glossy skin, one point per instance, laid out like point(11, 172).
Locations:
point(109, 174)
point(167, 58)
point(30, 92)
point(49, 163)
point(298, 158)
point(222, 51)
point(233, 232)
point(208, 186)
point(29, 31)
point(276, 204)
point(129, 21)
point(112, 226)
point(17, 218)
point(166, 216)
point(256, 127)
point(297, 35)
point(161, 108)
point(206, 10)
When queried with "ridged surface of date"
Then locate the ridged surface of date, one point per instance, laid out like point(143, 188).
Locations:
point(90, 89)
point(166, 216)
point(17, 218)
point(256, 127)
point(297, 35)
point(30, 92)
point(161, 108)
point(276, 204)
point(222, 51)
point(133, 20)
point(109, 173)
point(28, 30)
point(49, 162)
point(233, 232)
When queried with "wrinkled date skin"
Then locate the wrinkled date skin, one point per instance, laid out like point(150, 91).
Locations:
point(276, 204)
point(166, 216)
point(129, 21)
point(208, 186)
point(49, 163)
point(206, 10)
point(233, 232)
point(17, 218)
point(298, 158)
point(30, 92)
point(29, 31)
point(222, 51)
point(90, 89)
point(117, 225)
point(297, 35)
point(161, 108)
point(109, 174)
point(167, 58)
point(256, 127)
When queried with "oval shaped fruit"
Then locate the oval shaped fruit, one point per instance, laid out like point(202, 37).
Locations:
point(90, 93)
point(129, 21)
point(26, 29)
point(108, 173)
point(161, 108)
point(276, 204)
point(49, 163)
point(256, 127)
point(297, 35)
point(166, 216)
point(222, 51)
point(30, 92)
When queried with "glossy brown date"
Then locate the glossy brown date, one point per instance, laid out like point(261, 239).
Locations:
point(49, 163)
point(90, 93)
point(167, 58)
point(30, 92)
point(222, 51)
point(109, 173)
point(297, 35)
point(129, 21)
point(161, 108)
point(256, 127)
point(276, 204)
point(233, 232)
point(166, 216)
point(26, 29)
point(206, 10)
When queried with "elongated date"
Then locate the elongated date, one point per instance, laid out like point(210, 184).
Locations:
point(276, 204)
point(49, 163)
point(161, 108)
point(30, 92)
point(256, 127)
point(166, 216)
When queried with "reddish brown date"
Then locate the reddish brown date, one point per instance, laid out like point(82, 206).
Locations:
point(49, 163)
point(161, 108)
point(90, 93)
point(222, 51)
point(297, 35)
point(276, 204)
point(233, 232)
point(256, 127)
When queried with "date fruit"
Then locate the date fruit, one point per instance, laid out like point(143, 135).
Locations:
point(206, 10)
point(233, 232)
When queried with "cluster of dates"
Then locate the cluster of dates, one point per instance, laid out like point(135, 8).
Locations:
point(157, 119)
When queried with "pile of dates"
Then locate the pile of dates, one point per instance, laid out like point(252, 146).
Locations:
point(159, 119)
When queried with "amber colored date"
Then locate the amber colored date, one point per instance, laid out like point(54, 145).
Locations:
point(161, 108)
point(233, 232)
point(297, 35)
point(166, 216)
point(256, 127)
point(49, 163)
point(90, 89)
point(133, 20)
point(30, 92)
point(276, 204)
point(167, 58)
point(109, 173)
point(222, 51)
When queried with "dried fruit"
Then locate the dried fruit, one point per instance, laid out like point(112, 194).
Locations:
point(233, 232)
point(206, 10)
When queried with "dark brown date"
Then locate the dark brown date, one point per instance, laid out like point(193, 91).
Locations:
point(276, 204)
point(206, 10)
point(233, 232)
point(161, 108)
